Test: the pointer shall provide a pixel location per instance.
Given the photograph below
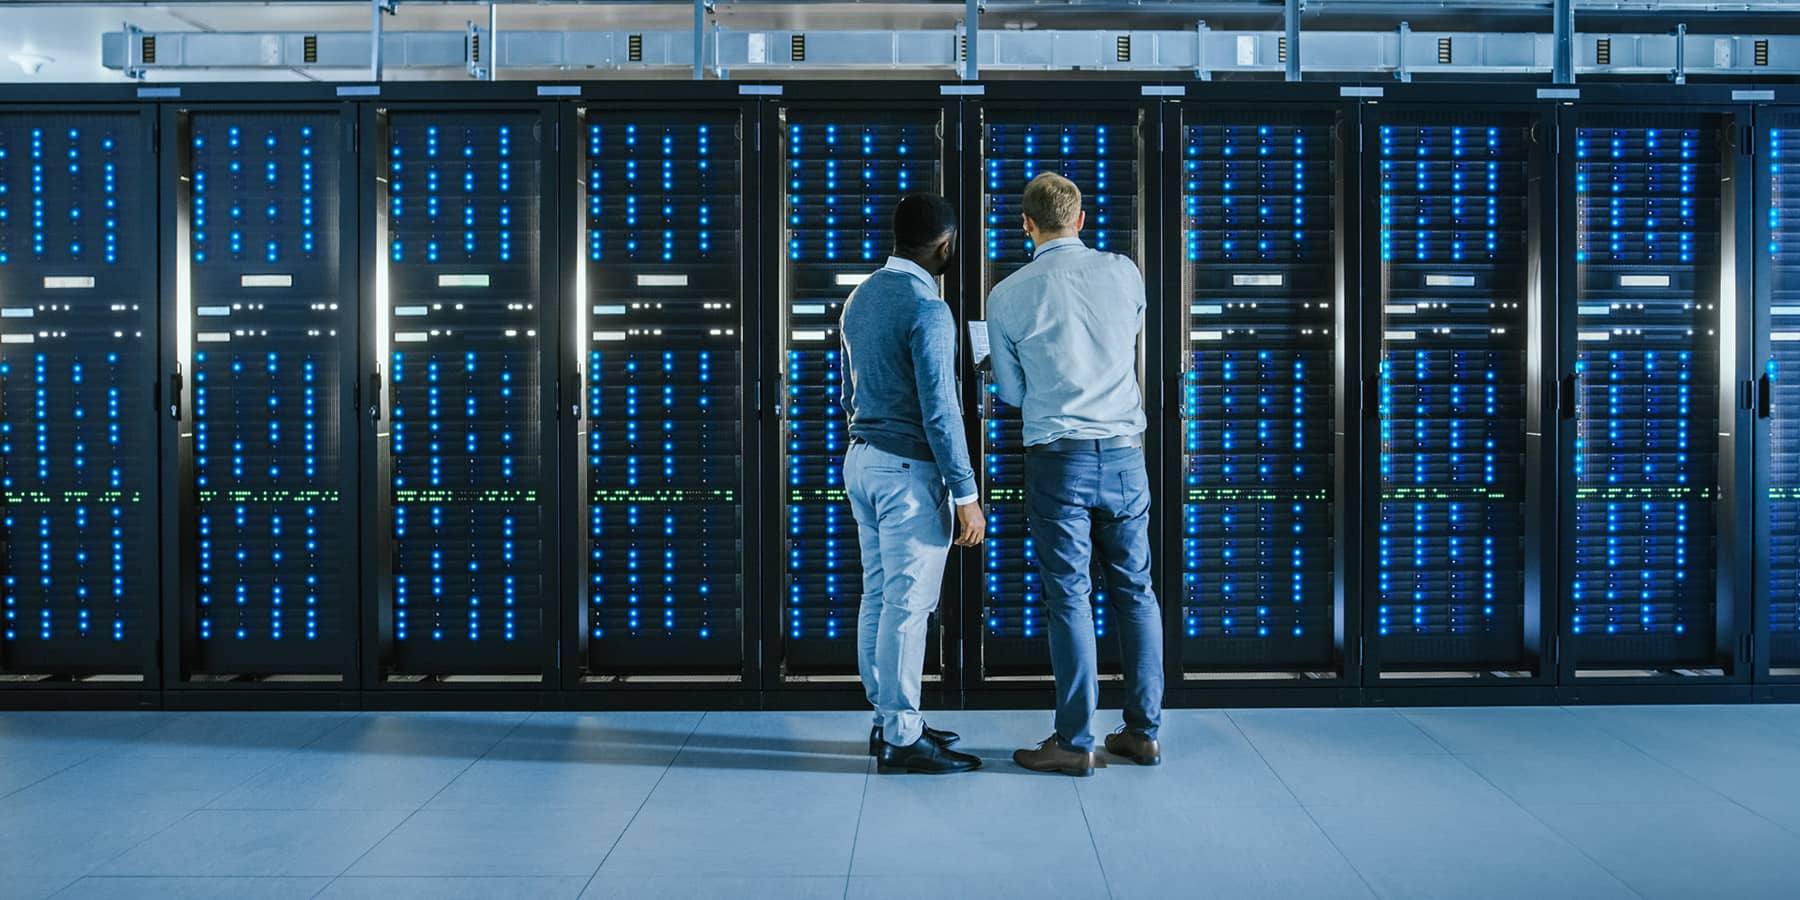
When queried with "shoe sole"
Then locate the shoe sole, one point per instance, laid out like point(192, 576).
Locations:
point(908, 770)
point(1059, 770)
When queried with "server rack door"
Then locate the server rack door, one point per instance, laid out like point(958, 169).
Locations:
point(1646, 593)
point(265, 206)
point(466, 246)
point(79, 428)
point(1256, 332)
point(1458, 295)
point(1102, 152)
point(661, 329)
point(1777, 390)
point(842, 171)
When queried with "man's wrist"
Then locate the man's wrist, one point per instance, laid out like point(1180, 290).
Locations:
point(965, 501)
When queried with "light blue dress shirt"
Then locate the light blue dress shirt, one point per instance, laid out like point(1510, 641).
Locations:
point(1064, 333)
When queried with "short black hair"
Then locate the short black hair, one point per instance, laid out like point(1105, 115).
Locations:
point(921, 220)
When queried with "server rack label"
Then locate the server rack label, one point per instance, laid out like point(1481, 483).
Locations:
point(1454, 260)
point(1258, 269)
point(1101, 154)
point(466, 417)
point(664, 446)
point(1647, 224)
point(273, 589)
point(77, 367)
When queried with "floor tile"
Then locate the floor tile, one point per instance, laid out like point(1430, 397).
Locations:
point(1682, 851)
point(73, 734)
point(1332, 732)
point(967, 824)
point(1437, 853)
point(676, 887)
point(1772, 792)
point(1514, 730)
point(1001, 882)
point(353, 888)
point(22, 769)
point(1195, 852)
point(32, 887)
point(134, 888)
point(132, 782)
point(454, 735)
point(276, 843)
point(1626, 775)
point(1702, 737)
point(506, 842)
point(1377, 780)
point(567, 761)
point(62, 842)
point(318, 780)
point(217, 732)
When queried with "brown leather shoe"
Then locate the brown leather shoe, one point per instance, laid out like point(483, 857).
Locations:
point(1140, 749)
point(1051, 757)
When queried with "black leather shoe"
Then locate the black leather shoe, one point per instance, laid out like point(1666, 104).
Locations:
point(939, 737)
point(923, 756)
point(1138, 748)
point(1051, 756)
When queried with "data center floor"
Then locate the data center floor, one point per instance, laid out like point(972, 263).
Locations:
point(1677, 802)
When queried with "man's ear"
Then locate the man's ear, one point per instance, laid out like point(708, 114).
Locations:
point(1026, 223)
point(1081, 220)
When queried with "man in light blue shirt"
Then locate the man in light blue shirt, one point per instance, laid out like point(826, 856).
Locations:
point(908, 463)
point(1064, 332)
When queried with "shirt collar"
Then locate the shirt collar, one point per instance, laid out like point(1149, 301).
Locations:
point(908, 267)
point(1058, 244)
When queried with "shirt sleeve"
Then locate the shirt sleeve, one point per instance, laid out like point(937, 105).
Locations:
point(934, 367)
point(1009, 373)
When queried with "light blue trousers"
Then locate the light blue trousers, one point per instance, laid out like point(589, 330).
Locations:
point(903, 525)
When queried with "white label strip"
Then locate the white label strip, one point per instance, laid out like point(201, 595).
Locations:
point(65, 282)
point(1559, 93)
point(17, 312)
point(618, 310)
point(1594, 336)
point(17, 338)
point(1164, 90)
point(463, 281)
point(411, 310)
point(1752, 95)
point(559, 90)
point(260, 281)
point(662, 280)
point(213, 337)
point(962, 90)
point(1784, 335)
point(1644, 281)
point(848, 280)
point(609, 335)
point(1401, 309)
point(1784, 310)
point(1595, 310)
point(1449, 281)
point(409, 337)
point(758, 90)
point(809, 335)
point(158, 93)
point(1206, 336)
point(359, 90)
point(212, 310)
point(809, 309)
point(1399, 335)
point(1242, 280)
point(1209, 309)
point(1353, 91)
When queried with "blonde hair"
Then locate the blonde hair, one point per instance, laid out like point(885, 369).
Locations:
point(1052, 201)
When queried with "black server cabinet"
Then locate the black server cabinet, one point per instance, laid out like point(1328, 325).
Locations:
point(464, 207)
point(666, 452)
point(1656, 204)
point(1255, 332)
point(1776, 393)
point(840, 172)
point(265, 253)
point(1459, 313)
point(80, 428)
point(1101, 149)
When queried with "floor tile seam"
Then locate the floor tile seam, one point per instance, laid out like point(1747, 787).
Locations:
point(1367, 885)
point(1420, 729)
point(46, 777)
point(862, 807)
point(1093, 841)
point(136, 844)
point(695, 729)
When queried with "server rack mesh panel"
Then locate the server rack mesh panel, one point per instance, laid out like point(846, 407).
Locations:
point(665, 465)
point(1258, 273)
point(275, 536)
point(1647, 227)
point(466, 454)
point(1099, 152)
point(1454, 233)
point(1782, 369)
point(841, 173)
point(78, 431)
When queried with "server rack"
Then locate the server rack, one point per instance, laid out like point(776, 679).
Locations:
point(1102, 146)
point(1459, 322)
point(1776, 622)
point(1256, 337)
point(663, 327)
point(82, 444)
point(264, 252)
point(1652, 419)
point(839, 170)
point(462, 395)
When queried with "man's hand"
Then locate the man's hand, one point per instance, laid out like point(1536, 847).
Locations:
point(971, 525)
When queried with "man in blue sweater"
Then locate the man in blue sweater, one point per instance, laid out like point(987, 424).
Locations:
point(908, 463)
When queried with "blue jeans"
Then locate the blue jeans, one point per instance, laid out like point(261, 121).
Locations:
point(1081, 503)
point(902, 511)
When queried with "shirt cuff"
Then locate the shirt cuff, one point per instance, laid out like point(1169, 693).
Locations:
point(965, 501)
